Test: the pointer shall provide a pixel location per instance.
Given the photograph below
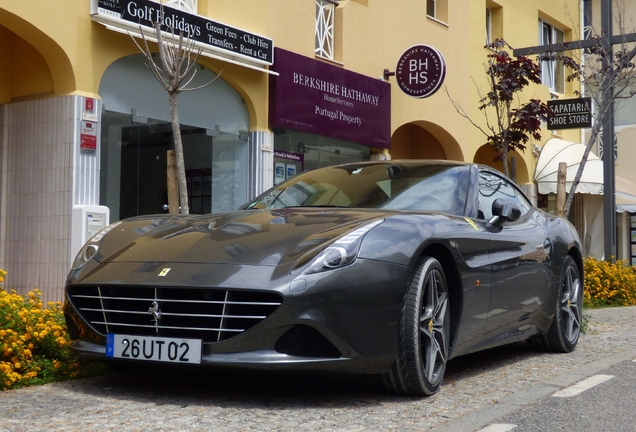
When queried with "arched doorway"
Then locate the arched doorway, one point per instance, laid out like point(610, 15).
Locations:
point(31, 63)
point(136, 135)
point(424, 140)
point(486, 155)
point(36, 83)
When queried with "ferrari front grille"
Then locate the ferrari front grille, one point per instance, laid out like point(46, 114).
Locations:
point(209, 314)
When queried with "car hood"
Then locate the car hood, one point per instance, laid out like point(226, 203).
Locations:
point(256, 237)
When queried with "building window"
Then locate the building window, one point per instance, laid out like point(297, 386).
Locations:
point(325, 17)
point(431, 8)
point(587, 19)
point(552, 72)
point(488, 26)
point(184, 5)
point(437, 9)
point(494, 22)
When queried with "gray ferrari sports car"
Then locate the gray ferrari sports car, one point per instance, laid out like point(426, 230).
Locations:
point(383, 268)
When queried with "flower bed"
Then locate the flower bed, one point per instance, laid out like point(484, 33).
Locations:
point(34, 342)
point(608, 284)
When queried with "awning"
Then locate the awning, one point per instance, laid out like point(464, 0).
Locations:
point(557, 150)
point(625, 195)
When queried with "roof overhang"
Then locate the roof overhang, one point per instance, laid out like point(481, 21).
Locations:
point(625, 195)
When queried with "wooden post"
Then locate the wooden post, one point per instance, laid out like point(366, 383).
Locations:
point(173, 189)
point(561, 179)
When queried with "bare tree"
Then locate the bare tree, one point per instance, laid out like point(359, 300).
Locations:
point(607, 74)
point(175, 70)
point(509, 122)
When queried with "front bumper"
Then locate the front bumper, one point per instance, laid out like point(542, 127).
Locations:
point(343, 320)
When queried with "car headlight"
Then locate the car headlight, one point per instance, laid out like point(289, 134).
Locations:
point(341, 253)
point(89, 250)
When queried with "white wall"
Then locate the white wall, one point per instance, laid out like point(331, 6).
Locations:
point(40, 161)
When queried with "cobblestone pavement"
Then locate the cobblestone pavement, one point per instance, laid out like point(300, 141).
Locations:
point(255, 403)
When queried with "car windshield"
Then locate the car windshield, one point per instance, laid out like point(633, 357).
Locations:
point(427, 187)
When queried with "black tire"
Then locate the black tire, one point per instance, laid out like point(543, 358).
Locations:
point(565, 330)
point(423, 335)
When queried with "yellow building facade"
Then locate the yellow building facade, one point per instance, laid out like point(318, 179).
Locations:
point(85, 126)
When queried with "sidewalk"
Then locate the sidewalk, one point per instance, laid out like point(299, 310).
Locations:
point(610, 339)
point(479, 388)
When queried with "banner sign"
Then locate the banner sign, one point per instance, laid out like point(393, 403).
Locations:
point(88, 138)
point(570, 113)
point(215, 35)
point(298, 157)
point(322, 99)
point(420, 71)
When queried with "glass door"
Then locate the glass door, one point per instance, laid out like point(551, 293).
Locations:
point(134, 161)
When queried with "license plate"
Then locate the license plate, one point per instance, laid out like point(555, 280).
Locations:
point(171, 350)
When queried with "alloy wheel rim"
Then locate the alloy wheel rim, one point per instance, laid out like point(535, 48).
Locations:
point(432, 331)
point(570, 310)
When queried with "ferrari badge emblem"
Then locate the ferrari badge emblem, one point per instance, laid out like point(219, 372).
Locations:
point(154, 311)
point(164, 272)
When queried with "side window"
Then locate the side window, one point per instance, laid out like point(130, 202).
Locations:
point(491, 187)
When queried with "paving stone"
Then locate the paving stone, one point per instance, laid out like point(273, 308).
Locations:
point(234, 402)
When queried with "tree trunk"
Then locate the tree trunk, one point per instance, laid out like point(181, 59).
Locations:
point(178, 148)
point(579, 172)
point(173, 183)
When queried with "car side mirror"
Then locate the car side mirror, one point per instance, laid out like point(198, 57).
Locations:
point(504, 210)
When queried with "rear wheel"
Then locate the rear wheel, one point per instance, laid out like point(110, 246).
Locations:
point(423, 337)
point(566, 326)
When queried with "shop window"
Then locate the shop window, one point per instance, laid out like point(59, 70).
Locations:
point(552, 72)
point(137, 134)
point(325, 34)
point(437, 9)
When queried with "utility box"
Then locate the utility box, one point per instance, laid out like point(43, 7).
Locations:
point(87, 221)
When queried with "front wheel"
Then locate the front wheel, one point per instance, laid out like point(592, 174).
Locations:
point(424, 330)
point(565, 330)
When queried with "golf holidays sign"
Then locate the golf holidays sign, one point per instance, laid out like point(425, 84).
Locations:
point(420, 71)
